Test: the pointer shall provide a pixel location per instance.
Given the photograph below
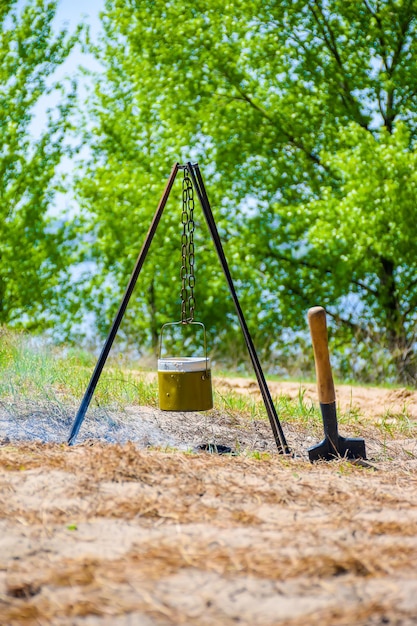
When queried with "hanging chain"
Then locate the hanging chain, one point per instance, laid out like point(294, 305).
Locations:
point(187, 251)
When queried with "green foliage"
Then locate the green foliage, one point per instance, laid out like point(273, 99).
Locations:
point(35, 248)
point(303, 117)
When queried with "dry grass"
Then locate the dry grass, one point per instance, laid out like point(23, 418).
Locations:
point(100, 531)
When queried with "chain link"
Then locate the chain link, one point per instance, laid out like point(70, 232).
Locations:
point(187, 251)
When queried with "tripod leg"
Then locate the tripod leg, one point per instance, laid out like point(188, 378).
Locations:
point(269, 405)
point(122, 308)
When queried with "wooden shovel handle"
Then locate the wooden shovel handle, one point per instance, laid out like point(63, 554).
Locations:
point(318, 329)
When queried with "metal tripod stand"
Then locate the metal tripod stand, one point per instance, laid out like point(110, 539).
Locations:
point(198, 184)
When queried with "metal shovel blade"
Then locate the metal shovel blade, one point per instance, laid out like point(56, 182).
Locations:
point(347, 448)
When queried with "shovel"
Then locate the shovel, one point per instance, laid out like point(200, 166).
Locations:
point(333, 445)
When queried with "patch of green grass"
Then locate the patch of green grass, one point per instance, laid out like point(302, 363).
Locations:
point(298, 411)
point(237, 404)
point(392, 425)
point(42, 372)
point(259, 456)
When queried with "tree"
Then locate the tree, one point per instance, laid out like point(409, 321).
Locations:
point(119, 187)
point(34, 248)
point(305, 113)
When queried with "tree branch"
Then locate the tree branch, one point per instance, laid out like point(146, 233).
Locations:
point(331, 44)
point(390, 65)
point(309, 265)
point(358, 330)
point(381, 108)
point(296, 142)
point(382, 42)
point(402, 34)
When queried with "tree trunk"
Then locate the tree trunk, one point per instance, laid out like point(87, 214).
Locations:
point(398, 341)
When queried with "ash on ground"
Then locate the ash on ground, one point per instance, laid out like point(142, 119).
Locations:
point(145, 426)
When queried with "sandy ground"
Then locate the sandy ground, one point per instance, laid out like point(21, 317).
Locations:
point(374, 402)
point(109, 534)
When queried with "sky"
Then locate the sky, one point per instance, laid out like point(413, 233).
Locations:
point(72, 11)
point(69, 14)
